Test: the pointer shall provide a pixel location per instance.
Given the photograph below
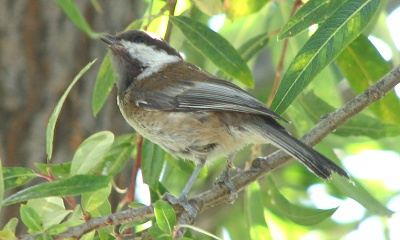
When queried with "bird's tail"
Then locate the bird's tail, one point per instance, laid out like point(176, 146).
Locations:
point(315, 161)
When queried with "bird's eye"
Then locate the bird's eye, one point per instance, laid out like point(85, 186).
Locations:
point(139, 39)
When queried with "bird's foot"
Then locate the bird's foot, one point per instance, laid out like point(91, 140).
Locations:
point(182, 201)
point(225, 179)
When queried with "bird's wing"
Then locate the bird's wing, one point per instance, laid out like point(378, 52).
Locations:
point(211, 94)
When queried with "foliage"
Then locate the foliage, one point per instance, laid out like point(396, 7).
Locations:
point(278, 205)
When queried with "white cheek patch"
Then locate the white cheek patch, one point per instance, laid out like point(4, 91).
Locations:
point(153, 59)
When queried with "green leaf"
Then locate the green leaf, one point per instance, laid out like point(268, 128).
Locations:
point(364, 125)
point(117, 155)
point(362, 65)
point(132, 224)
point(71, 186)
point(353, 188)
point(253, 46)
point(301, 215)
point(93, 200)
point(70, 9)
point(310, 13)
point(153, 158)
point(157, 234)
point(214, 47)
point(240, 8)
point(254, 214)
point(103, 86)
point(8, 232)
point(102, 210)
point(209, 7)
point(51, 210)
point(17, 176)
point(91, 152)
point(11, 225)
point(53, 118)
point(359, 125)
point(56, 229)
point(338, 31)
point(61, 170)
point(165, 216)
point(357, 192)
point(30, 218)
point(2, 183)
point(249, 49)
point(200, 231)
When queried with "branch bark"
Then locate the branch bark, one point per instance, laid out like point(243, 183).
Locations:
point(261, 166)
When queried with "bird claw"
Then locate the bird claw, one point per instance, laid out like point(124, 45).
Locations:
point(182, 201)
point(225, 179)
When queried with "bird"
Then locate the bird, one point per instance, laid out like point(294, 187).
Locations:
point(191, 113)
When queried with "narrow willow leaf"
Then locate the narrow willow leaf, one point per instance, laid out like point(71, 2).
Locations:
point(103, 86)
point(364, 125)
point(91, 152)
point(334, 35)
point(249, 49)
point(276, 202)
point(310, 13)
point(258, 228)
point(214, 47)
point(165, 216)
point(54, 116)
point(17, 176)
point(70, 9)
point(357, 192)
point(359, 125)
point(253, 46)
point(153, 158)
point(362, 65)
point(240, 8)
point(353, 188)
point(71, 186)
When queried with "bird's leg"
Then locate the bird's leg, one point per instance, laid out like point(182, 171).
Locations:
point(182, 199)
point(224, 178)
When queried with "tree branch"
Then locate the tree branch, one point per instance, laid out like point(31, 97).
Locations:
point(260, 166)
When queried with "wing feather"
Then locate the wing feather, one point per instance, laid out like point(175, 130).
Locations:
point(210, 95)
point(195, 91)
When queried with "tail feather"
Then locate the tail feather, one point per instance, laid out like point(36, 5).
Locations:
point(315, 161)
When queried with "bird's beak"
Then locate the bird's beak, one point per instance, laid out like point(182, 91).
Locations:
point(110, 40)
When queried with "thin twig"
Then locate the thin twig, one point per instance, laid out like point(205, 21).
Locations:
point(170, 5)
point(130, 195)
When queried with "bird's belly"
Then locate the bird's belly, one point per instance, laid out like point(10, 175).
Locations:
point(198, 136)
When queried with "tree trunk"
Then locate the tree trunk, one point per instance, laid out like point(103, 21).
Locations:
point(41, 52)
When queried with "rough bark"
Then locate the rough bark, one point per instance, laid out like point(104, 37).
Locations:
point(41, 51)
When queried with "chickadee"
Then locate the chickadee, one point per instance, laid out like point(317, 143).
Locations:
point(191, 113)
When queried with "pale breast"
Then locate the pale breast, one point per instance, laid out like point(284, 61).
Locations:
point(198, 136)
